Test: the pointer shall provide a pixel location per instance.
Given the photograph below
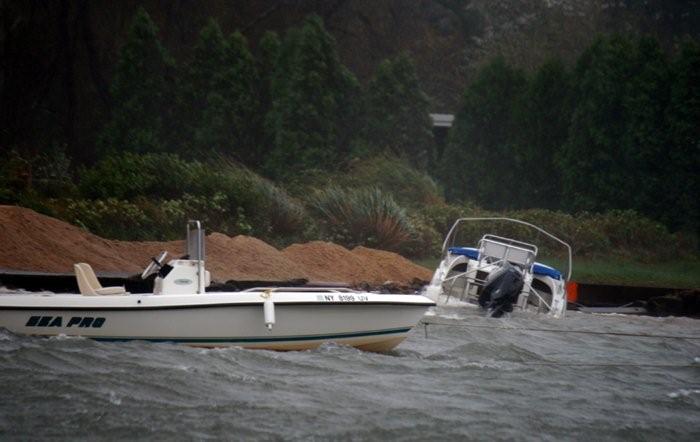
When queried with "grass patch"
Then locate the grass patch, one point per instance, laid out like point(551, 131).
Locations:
point(675, 274)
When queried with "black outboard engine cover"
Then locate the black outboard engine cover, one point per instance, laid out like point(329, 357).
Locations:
point(501, 290)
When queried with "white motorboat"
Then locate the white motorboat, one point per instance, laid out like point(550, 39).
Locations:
point(180, 310)
point(499, 274)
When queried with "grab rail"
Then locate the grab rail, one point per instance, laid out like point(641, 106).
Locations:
point(200, 250)
point(517, 221)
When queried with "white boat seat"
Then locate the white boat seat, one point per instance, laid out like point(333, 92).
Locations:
point(89, 285)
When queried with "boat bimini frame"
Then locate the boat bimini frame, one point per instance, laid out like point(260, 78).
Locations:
point(464, 273)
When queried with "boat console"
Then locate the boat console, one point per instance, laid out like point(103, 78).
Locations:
point(181, 276)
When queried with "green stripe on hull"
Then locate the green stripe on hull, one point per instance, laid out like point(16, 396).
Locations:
point(258, 340)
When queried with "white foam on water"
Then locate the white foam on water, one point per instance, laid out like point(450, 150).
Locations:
point(682, 393)
point(5, 291)
point(114, 399)
point(65, 337)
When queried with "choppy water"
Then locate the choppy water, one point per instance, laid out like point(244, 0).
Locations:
point(475, 379)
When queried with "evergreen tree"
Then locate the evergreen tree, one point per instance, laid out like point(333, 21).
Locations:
point(682, 178)
point(219, 99)
point(542, 128)
point(312, 118)
point(594, 163)
point(397, 113)
point(269, 49)
point(141, 92)
point(646, 136)
point(481, 160)
point(244, 125)
point(201, 79)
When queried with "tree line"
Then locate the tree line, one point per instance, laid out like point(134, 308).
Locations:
point(291, 107)
point(620, 130)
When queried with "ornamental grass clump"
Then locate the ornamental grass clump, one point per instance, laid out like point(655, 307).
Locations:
point(362, 217)
point(284, 215)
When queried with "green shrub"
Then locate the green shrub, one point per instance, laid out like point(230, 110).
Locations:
point(424, 241)
point(395, 176)
point(128, 175)
point(109, 218)
point(616, 233)
point(51, 175)
point(226, 196)
point(624, 234)
point(270, 211)
point(632, 235)
point(211, 210)
point(29, 177)
point(578, 231)
point(15, 177)
point(443, 216)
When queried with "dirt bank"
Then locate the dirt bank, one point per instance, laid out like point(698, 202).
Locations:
point(36, 242)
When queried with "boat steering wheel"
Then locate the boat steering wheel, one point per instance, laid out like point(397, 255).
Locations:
point(154, 265)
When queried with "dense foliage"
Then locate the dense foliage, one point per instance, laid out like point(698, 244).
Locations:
point(313, 100)
point(218, 102)
point(606, 154)
point(602, 137)
point(140, 92)
point(397, 118)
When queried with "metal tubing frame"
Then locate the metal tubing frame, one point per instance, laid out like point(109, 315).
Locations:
point(450, 236)
point(200, 267)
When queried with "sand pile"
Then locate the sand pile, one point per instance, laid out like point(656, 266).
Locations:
point(36, 242)
point(328, 262)
point(389, 263)
point(244, 258)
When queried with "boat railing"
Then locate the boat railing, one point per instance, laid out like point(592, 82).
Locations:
point(472, 281)
point(541, 299)
point(450, 238)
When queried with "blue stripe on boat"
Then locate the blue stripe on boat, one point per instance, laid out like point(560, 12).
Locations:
point(537, 269)
point(544, 270)
point(469, 252)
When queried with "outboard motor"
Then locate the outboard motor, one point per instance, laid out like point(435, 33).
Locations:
point(501, 290)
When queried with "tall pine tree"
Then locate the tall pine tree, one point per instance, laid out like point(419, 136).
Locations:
point(219, 105)
point(140, 91)
point(594, 162)
point(397, 118)
point(543, 118)
point(312, 118)
point(200, 86)
point(645, 141)
point(244, 123)
point(683, 179)
point(268, 54)
point(480, 162)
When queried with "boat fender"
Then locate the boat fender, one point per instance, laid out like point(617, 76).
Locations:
point(268, 310)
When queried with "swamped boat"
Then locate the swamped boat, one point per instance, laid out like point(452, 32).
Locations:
point(181, 310)
point(499, 274)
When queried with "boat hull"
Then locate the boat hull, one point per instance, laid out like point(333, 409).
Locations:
point(303, 321)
